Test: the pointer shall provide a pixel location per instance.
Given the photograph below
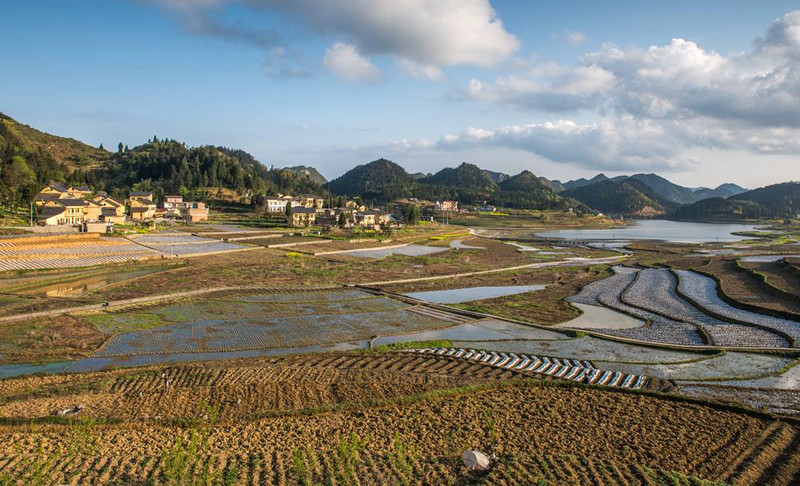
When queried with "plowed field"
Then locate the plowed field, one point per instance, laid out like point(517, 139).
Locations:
point(373, 419)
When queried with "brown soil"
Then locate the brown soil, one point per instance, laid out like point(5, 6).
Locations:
point(742, 286)
point(48, 339)
point(562, 434)
point(779, 274)
point(548, 306)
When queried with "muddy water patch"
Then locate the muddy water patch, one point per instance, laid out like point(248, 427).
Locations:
point(596, 317)
point(408, 250)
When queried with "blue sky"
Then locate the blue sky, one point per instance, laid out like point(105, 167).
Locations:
point(565, 89)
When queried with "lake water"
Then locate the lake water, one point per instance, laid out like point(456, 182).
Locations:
point(659, 229)
point(456, 296)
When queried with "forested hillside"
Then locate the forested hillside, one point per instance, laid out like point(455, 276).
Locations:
point(628, 197)
point(29, 159)
point(720, 209)
point(383, 180)
point(782, 200)
point(171, 167)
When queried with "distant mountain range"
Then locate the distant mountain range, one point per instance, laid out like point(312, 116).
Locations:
point(30, 159)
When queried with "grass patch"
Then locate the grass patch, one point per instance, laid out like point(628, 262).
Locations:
point(435, 343)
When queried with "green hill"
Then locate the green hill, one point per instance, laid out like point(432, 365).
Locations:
point(628, 197)
point(525, 190)
point(68, 152)
point(171, 167)
point(311, 173)
point(781, 200)
point(379, 180)
point(720, 209)
point(29, 159)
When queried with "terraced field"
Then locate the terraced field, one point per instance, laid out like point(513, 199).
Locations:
point(564, 368)
point(654, 290)
point(703, 291)
point(384, 419)
point(660, 329)
point(66, 251)
point(684, 308)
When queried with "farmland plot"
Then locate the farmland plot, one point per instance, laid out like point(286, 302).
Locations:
point(227, 323)
point(419, 442)
point(654, 290)
point(730, 364)
point(608, 291)
point(703, 291)
point(588, 348)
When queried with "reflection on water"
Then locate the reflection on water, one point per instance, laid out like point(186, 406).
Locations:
point(659, 229)
point(82, 286)
point(467, 294)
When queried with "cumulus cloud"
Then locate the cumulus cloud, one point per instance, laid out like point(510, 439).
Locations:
point(679, 80)
point(547, 87)
point(344, 61)
point(612, 145)
point(423, 35)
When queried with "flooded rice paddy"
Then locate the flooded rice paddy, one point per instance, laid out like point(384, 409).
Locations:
point(681, 308)
point(597, 317)
point(468, 294)
point(744, 365)
point(78, 287)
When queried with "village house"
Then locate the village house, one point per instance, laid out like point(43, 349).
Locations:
point(141, 196)
point(60, 191)
point(63, 211)
point(141, 210)
point(111, 210)
point(447, 206)
point(192, 212)
point(277, 204)
point(373, 219)
point(92, 211)
point(302, 216)
point(172, 202)
point(309, 201)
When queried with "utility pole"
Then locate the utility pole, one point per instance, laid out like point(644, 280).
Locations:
point(31, 214)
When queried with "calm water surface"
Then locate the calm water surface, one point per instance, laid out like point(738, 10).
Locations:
point(456, 296)
point(659, 229)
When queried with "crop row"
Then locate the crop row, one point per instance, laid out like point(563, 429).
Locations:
point(654, 290)
point(72, 262)
point(171, 239)
point(196, 248)
point(661, 329)
point(338, 466)
point(564, 368)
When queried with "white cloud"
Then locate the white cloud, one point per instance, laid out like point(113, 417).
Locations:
point(679, 80)
point(423, 35)
point(547, 87)
point(574, 37)
point(622, 145)
point(344, 61)
point(417, 70)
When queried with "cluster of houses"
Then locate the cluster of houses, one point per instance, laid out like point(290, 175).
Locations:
point(310, 210)
point(62, 205)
